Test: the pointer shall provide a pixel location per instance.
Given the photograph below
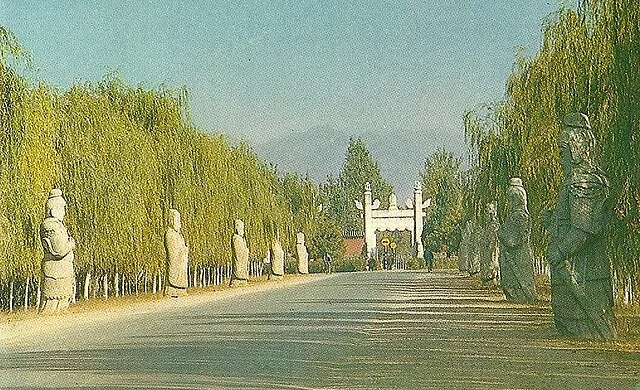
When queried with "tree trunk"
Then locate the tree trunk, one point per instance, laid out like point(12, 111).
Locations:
point(38, 295)
point(124, 292)
point(75, 289)
point(26, 294)
point(155, 284)
point(87, 282)
point(105, 285)
point(11, 296)
point(116, 285)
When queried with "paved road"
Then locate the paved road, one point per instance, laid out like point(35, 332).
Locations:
point(395, 329)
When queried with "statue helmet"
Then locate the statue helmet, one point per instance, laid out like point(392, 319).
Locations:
point(174, 219)
point(577, 136)
point(239, 226)
point(54, 201)
point(516, 194)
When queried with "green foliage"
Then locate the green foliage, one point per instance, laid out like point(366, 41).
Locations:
point(123, 156)
point(441, 181)
point(349, 264)
point(589, 61)
point(359, 167)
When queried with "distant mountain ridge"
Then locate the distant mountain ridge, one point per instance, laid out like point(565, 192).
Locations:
point(321, 151)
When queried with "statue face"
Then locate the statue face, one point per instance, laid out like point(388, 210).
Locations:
point(239, 226)
point(59, 211)
point(56, 207)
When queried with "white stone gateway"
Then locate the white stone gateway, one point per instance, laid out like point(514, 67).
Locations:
point(393, 219)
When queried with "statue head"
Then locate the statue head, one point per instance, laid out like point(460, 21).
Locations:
point(239, 227)
point(56, 206)
point(516, 195)
point(577, 143)
point(174, 220)
point(367, 187)
point(300, 238)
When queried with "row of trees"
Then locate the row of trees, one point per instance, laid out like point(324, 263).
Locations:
point(589, 62)
point(123, 156)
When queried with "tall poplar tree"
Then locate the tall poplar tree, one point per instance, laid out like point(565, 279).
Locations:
point(359, 167)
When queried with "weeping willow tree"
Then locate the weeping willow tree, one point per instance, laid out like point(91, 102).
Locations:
point(589, 61)
point(123, 157)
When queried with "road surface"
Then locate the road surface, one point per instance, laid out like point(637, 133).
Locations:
point(398, 329)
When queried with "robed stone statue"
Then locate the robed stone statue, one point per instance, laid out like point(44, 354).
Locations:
point(516, 258)
point(489, 249)
point(57, 263)
point(240, 253)
point(177, 257)
point(277, 259)
point(303, 254)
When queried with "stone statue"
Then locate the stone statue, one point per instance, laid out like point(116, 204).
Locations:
point(463, 249)
point(473, 253)
point(489, 249)
point(57, 263)
point(240, 253)
point(277, 259)
point(303, 254)
point(516, 258)
point(177, 257)
point(581, 291)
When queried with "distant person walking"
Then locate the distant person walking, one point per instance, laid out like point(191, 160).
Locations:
point(327, 263)
point(428, 259)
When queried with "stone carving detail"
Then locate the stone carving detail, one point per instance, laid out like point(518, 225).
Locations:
point(57, 263)
point(581, 291)
point(303, 254)
point(177, 257)
point(240, 253)
point(277, 259)
point(489, 249)
point(516, 258)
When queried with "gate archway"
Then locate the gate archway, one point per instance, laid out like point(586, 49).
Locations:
point(394, 218)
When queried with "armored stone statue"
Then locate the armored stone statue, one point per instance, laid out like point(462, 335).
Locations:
point(240, 253)
point(303, 254)
point(277, 259)
point(57, 263)
point(473, 250)
point(489, 249)
point(177, 257)
point(463, 249)
point(516, 258)
point(581, 292)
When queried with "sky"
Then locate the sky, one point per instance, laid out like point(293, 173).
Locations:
point(259, 70)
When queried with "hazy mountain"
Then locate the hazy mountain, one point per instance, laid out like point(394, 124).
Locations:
point(321, 151)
